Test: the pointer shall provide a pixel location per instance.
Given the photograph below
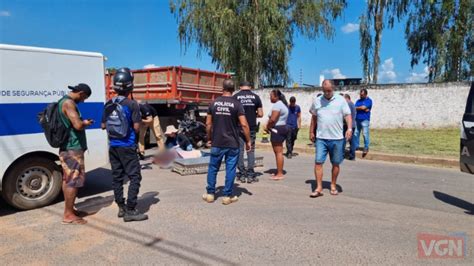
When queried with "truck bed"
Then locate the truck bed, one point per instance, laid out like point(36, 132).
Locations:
point(173, 85)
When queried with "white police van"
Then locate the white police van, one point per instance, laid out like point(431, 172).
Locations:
point(30, 78)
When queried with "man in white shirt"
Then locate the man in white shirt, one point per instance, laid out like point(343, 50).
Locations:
point(328, 112)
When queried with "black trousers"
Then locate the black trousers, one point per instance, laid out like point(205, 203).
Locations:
point(290, 139)
point(125, 163)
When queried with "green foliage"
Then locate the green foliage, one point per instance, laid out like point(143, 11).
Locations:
point(253, 38)
point(379, 14)
point(111, 70)
point(440, 33)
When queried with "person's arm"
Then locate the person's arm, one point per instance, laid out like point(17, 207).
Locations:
point(136, 117)
point(369, 105)
point(209, 128)
point(105, 113)
point(312, 128)
point(70, 111)
point(273, 119)
point(147, 120)
point(245, 127)
point(346, 111)
point(313, 110)
point(349, 132)
point(102, 124)
point(259, 112)
point(361, 108)
point(299, 119)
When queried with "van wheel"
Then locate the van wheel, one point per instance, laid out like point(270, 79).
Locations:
point(32, 183)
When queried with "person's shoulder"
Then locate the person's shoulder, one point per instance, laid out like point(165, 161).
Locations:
point(280, 104)
point(68, 102)
point(131, 103)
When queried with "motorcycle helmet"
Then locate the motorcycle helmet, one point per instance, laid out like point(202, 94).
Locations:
point(123, 80)
point(123, 69)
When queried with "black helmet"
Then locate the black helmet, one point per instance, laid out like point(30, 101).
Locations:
point(123, 80)
point(123, 69)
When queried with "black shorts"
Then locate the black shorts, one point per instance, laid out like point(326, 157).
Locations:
point(280, 135)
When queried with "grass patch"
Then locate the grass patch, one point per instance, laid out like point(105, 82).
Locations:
point(442, 142)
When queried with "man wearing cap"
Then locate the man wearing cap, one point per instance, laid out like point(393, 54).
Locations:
point(173, 139)
point(253, 110)
point(151, 120)
point(71, 153)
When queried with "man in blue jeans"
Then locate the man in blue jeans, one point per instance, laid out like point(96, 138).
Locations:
point(224, 116)
point(364, 108)
point(328, 112)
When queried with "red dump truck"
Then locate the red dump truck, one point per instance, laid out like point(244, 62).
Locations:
point(176, 92)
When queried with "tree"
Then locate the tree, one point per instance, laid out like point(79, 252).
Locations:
point(379, 13)
point(440, 33)
point(253, 38)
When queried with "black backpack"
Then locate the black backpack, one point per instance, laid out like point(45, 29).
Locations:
point(55, 131)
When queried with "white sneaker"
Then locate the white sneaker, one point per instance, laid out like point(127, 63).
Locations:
point(229, 200)
point(209, 198)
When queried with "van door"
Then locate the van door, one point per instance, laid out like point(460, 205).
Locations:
point(467, 135)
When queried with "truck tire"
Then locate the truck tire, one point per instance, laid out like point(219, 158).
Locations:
point(32, 183)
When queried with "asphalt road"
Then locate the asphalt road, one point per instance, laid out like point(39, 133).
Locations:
point(375, 220)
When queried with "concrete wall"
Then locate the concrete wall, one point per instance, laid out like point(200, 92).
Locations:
point(395, 105)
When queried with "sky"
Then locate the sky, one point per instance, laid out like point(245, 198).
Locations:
point(143, 33)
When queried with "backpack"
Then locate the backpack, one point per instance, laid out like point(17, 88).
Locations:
point(116, 123)
point(56, 132)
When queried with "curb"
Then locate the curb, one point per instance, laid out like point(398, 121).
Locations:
point(377, 156)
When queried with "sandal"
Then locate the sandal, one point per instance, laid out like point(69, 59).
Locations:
point(334, 192)
point(316, 194)
point(78, 221)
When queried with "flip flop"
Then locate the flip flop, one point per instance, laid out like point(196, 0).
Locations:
point(334, 192)
point(275, 178)
point(316, 194)
point(78, 221)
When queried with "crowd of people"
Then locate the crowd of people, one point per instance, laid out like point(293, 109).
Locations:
point(231, 126)
point(335, 120)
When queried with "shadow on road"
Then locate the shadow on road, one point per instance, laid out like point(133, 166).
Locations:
point(93, 205)
point(5, 209)
point(237, 191)
point(146, 200)
point(97, 181)
point(460, 203)
point(188, 255)
point(326, 185)
point(273, 171)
